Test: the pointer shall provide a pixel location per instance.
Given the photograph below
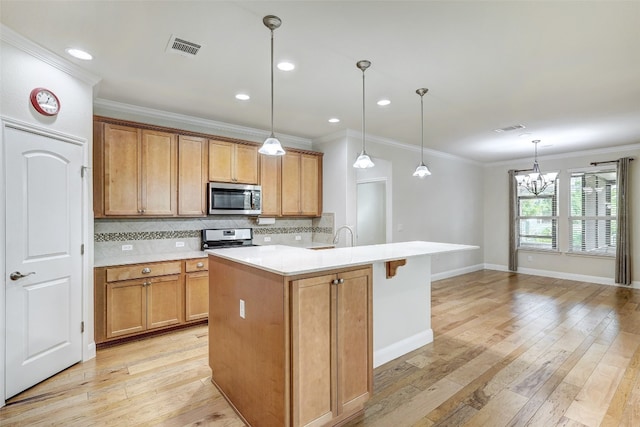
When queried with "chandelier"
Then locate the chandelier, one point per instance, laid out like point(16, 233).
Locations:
point(536, 182)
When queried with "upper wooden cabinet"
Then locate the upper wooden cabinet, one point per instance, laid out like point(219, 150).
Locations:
point(192, 176)
point(301, 184)
point(270, 181)
point(231, 162)
point(139, 172)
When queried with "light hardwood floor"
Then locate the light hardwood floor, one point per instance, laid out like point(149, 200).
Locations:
point(509, 350)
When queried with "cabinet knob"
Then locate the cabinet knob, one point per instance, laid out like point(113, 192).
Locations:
point(146, 270)
point(340, 281)
point(200, 265)
point(334, 282)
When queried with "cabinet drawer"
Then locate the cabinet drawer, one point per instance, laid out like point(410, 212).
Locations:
point(143, 270)
point(200, 264)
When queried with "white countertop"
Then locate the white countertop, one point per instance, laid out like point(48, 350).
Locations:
point(288, 261)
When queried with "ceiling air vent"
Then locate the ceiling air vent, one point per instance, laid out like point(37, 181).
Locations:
point(509, 128)
point(182, 47)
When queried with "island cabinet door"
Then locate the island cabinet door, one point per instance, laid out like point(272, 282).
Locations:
point(354, 339)
point(313, 369)
point(332, 351)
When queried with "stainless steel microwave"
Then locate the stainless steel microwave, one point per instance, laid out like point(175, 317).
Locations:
point(234, 199)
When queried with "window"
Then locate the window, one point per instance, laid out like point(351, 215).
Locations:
point(538, 218)
point(593, 212)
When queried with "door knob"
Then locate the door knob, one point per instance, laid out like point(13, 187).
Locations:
point(17, 275)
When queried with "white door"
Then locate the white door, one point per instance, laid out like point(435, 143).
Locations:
point(371, 213)
point(43, 259)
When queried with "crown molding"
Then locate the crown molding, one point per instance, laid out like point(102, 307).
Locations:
point(22, 43)
point(256, 134)
point(574, 154)
point(350, 133)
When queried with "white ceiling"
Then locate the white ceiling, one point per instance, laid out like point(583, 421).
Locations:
point(567, 70)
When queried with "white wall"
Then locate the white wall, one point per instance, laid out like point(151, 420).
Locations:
point(444, 207)
point(25, 66)
point(560, 264)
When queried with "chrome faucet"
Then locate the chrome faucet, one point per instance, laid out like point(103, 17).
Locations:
point(336, 238)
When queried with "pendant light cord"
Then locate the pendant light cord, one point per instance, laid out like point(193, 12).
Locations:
point(422, 129)
point(272, 84)
point(363, 111)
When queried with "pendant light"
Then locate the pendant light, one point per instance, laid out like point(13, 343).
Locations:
point(363, 161)
point(536, 182)
point(422, 170)
point(271, 146)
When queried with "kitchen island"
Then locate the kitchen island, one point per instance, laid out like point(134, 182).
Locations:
point(294, 334)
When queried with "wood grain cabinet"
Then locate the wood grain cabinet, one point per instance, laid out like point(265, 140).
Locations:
point(332, 346)
point(233, 162)
point(151, 299)
point(137, 299)
point(192, 176)
point(300, 351)
point(270, 181)
point(138, 172)
point(196, 289)
point(301, 184)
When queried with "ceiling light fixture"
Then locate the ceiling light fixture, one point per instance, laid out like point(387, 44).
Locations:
point(271, 146)
point(422, 170)
point(363, 161)
point(79, 54)
point(243, 97)
point(384, 102)
point(286, 66)
point(334, 120)
point(535, 182)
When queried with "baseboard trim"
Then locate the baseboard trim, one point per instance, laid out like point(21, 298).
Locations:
point(457, 272)
point(397, 349)
point(565, 276)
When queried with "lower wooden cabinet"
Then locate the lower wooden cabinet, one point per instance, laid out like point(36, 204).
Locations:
point(196, 290)
point(300, 353)
point(332, 362)
point(136, 299)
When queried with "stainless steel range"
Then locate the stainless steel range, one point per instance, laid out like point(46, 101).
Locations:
point(226, 238)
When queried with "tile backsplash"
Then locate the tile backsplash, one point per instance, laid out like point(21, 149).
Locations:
point(148, 236)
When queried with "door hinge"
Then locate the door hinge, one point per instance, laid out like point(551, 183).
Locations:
point(82, 327)
point(82, 249)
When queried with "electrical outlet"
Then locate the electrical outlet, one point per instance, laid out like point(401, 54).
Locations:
point(127, 247)
point(400, 227)
point(267, 239)
point(298, 237)
point(242, 308)
point(179, 244)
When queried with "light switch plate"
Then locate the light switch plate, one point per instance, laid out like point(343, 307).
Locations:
point(179, 244)
point(127, 247)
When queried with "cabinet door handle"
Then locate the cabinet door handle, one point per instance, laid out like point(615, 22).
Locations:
point(200, 265)
point(146, 270)
point(334, 282)
point(340, 281)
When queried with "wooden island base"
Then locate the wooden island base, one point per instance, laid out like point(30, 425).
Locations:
point(291, 350)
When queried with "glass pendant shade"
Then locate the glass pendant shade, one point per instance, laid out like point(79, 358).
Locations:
point(422, 171)
point(271, 147)
point(363, 161)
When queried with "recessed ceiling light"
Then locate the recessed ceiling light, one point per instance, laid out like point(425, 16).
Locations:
point(525, 135)
point(80, 54)
point(285, 66)
point(243, 97)
point(334, 120)
point(384, 102)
